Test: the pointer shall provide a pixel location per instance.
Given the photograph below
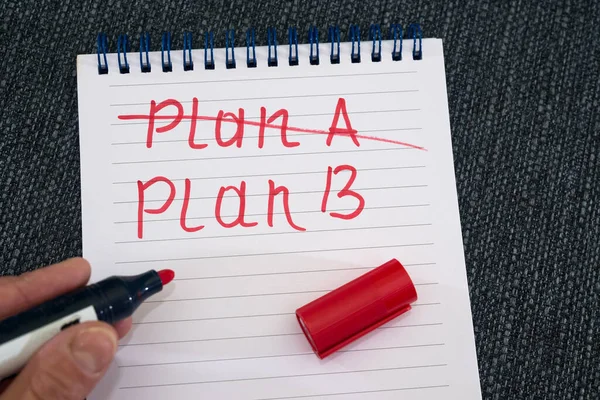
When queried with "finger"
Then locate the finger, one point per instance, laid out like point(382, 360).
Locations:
point(68, 366)
point(5, 383)
point(18, 293)
point(123, 327)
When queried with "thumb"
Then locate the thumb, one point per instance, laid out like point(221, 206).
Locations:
point(68, 366)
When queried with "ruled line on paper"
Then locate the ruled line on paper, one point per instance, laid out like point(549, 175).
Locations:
point(320, 172)
point(249, 337)
point(354, 392)
point(252, 316)
point(358, 371)
point(290, 272)
point(281, 355)
point(211, 318)
point(237, 157)
point(306, 233)
point(275, 213)
point(275, 253)
point(273, 78)
point(288, 135)
point(210, 339)
point(188, 119)
point(252, 337)
point(266, 194)
point(241, 296)
point(279, 97)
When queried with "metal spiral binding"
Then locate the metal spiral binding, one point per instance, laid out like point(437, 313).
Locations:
point(293, 40)
point(375, 36)
point(250, 41)
point(230, 43)
point(334, 38)
point(145, 48)
point(123, 47)
point(165, 46)
point(395, 34)
point(272, 42)
point(102, 48)
point(188, 63)
point(355, 38)
point(313, 39)
point(209, 39)
point(414, 30)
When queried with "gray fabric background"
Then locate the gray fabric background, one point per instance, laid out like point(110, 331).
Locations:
point(524, 92)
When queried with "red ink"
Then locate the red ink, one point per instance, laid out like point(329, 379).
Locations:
point(327, 190)
point(184, 209)
point(193, 123)
point(264, 125)
point(261, 129)
point(239, 220)
point(284, 125)
point(343, 193)
point(239, 132)
point(152, 117)
point(334, 130)
point(141, 188)
point(274, 191)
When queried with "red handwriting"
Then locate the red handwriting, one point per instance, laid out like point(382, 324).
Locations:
point(239, 132)
point(192, 135)
point(343, 193)
point(154, 108)
point(141, 206)
point(239, 220)
point(274, 191)
point(174, 120)
point(340, 108)
point(284, 126)
point(184, 208)
point(340, 127)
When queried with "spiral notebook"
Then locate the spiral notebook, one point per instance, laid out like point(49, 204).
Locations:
point(266, 176)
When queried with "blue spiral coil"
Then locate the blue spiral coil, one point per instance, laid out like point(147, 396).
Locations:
point(375, 36)
point(102, 47)
point(250, 42)
point(293, 41)
point(272, 43)
point(209, 41)
point(334, 38)
point(144, 49)
point(230, 44)
point(414, 32)
point(188, 62)
point(165, 47)
point(355, 39)
point(123, 47)
point(396, 36)
point(313, 39)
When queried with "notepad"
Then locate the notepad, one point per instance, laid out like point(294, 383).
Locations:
point(264, 187)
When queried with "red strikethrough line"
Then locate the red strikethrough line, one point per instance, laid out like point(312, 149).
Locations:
point(273, 126)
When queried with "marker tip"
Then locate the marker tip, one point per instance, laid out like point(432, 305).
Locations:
point(166, 275)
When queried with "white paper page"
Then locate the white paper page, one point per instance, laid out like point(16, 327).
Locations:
point(225, 328)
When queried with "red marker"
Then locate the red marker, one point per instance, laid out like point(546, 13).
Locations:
point(109, 300)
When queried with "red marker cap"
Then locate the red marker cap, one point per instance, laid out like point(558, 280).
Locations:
point(356, 308)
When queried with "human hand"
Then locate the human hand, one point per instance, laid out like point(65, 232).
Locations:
point(69, 365)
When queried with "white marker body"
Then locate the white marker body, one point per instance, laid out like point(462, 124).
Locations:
point(15, 353)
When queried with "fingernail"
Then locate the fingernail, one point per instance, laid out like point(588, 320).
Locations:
point(93, 349)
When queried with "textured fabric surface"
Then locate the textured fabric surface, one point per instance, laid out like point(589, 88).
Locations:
point(524, 92)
